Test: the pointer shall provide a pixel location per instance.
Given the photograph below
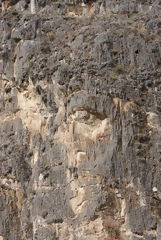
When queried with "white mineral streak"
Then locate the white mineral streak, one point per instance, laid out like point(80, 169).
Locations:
point(33, 6)
point(155, 189)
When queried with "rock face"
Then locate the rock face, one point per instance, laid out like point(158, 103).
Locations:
point(80, 120)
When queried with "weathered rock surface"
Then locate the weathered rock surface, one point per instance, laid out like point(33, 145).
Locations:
point(80, 120)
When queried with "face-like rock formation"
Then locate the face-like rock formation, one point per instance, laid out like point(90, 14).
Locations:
point(80, 120)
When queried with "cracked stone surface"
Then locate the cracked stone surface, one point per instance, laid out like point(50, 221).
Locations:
point(80, 120)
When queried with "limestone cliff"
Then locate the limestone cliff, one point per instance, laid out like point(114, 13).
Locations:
point(80, 120)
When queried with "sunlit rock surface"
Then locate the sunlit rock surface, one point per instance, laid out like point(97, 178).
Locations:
point(80, 120)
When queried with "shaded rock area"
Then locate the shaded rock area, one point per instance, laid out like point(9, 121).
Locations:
point(80, 120)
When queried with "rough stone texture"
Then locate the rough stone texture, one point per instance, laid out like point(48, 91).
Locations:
point(80, 120)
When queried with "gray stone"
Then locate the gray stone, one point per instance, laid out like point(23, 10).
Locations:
point(80, 120)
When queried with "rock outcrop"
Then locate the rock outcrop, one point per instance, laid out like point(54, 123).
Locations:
point(80, 120)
